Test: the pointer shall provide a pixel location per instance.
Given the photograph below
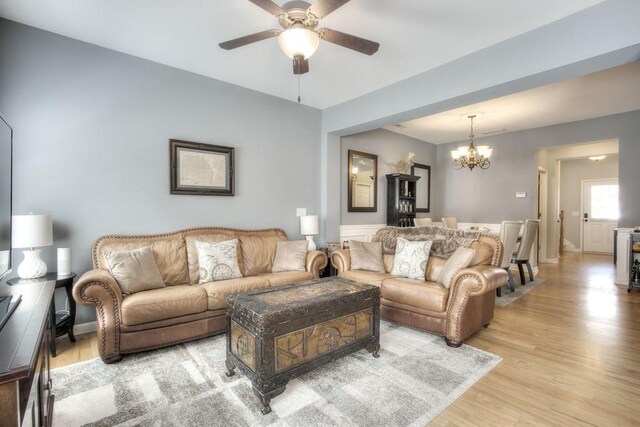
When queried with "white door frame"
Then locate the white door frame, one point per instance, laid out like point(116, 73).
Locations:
point(543, 210)
point(582, 184)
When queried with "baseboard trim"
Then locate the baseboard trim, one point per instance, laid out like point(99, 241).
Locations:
point(85, 328)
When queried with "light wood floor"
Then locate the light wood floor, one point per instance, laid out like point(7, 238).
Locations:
point(570, 349)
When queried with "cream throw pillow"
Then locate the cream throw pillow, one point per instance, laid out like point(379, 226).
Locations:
point(218, 260)
point(291, 255)
point(135, 270)
point(366, 256)
point(460, 259)
point(411, 259)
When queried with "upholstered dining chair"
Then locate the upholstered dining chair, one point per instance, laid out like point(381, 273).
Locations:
point(450, 222)
point(419, 222)
point(521, 257)
point(509, 232)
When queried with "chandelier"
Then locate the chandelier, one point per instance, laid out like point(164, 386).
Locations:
point(471, 156)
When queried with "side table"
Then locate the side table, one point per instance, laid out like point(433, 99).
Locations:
point(60, 324)
point(329, 270)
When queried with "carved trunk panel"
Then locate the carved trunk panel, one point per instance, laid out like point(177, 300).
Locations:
point(308, 343)
point(243, 345)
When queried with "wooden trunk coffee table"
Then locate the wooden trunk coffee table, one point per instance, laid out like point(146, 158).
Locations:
point(280, 333)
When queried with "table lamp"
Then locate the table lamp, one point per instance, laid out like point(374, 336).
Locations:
point(309, 228)
point(32, 231)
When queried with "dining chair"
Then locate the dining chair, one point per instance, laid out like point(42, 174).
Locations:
point(450, 222)
point(521, 257)
point(419, 222)
point(509, 233)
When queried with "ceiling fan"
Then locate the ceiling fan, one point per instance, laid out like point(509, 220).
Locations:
point(299, 37)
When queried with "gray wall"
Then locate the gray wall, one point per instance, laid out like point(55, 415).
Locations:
point(489, 195)
point(91, 144)
point(389, 147)
point(571, 176)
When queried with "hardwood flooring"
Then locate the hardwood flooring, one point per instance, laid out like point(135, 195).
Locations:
point(570, 349)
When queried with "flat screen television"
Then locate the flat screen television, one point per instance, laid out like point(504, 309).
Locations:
point(6, 155)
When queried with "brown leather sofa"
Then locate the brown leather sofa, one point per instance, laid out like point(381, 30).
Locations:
point(455, 313)
point(183, 310)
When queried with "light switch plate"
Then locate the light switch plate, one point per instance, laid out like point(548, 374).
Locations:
point(301, 211)
point(521, 194)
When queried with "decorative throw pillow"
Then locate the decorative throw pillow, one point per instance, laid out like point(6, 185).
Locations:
point(460, 259)
point(411, 259)
point(218, 261)
point(366, 256)
point(291, 255)
point(135, 270)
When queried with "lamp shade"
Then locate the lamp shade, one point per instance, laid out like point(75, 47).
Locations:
point(32, 231)
point(309, 225)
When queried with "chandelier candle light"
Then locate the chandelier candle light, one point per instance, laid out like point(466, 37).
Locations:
point(472, 156)
point(32, 231)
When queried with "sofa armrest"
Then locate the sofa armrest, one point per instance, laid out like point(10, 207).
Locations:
point(316, 261)
point(341, 260)
point(98, 287)
point(468, 283)
point(478, 280)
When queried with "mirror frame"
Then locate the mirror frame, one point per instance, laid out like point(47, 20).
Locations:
point(350, 207)
point(418, 186)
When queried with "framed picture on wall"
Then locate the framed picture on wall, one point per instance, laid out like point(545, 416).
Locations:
point(201, 169)
point(423, 187)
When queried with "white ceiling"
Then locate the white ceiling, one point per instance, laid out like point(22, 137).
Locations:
point(414, 36)
point(611, 91)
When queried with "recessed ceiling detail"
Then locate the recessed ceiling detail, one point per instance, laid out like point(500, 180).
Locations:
point(612, 91)
point(415, 37)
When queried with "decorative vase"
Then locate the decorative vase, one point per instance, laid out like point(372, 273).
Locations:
point(32, 266)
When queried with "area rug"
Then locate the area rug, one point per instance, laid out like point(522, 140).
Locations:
point(508, 297)
point(415, 378)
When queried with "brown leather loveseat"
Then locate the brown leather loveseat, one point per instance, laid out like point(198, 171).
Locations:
point(183, 310)
point(455, 313)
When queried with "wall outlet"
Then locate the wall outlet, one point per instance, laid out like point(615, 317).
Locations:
point(521, 194)
point(301, 211)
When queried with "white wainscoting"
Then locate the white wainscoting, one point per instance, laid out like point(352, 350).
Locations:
point(362, 233)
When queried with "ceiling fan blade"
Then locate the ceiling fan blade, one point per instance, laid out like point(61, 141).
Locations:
point(251, 38)
point(300, 66)
point(347, 40)
point(269, 6)
point(322, 8)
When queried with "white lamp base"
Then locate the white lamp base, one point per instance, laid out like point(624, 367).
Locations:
point(312, 244)
point(32, 267)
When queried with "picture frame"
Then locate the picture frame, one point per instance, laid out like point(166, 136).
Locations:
point(423, 187)
point(201, 169)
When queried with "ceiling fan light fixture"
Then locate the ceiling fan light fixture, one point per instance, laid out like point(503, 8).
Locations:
point(298, 41)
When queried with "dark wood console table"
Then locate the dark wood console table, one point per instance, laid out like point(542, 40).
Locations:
point(25, 385)
point(60, 324)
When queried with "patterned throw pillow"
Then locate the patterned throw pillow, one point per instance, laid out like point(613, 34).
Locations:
point(366, 256)
point(218, 261)
point(460, 259)
point(411, 259)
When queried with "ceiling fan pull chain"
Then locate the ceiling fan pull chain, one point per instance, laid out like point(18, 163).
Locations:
point(298, 88)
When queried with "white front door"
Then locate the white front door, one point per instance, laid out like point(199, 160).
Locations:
point(600, 214)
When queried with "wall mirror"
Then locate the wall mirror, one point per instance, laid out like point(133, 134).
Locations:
point(363, 182)
point(423, 187)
